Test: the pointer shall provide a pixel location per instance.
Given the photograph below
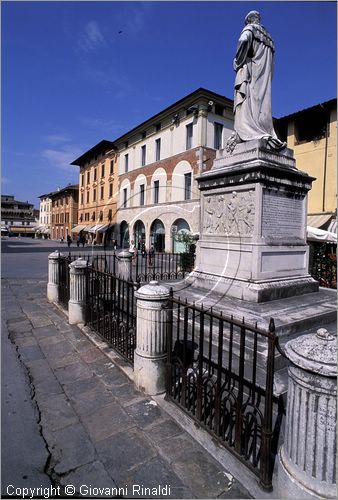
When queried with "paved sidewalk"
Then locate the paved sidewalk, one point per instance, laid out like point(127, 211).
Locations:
point(100, 431)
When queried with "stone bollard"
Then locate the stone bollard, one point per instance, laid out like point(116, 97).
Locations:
point(78, 291)
point(53, 276)
point(307, 459)
point(150, 353)
point(124, 265)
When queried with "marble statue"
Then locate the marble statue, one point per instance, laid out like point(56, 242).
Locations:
point(253, 64)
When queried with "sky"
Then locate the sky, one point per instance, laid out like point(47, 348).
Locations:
point(75, 73)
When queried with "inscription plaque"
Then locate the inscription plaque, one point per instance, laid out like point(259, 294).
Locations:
point(282, 216)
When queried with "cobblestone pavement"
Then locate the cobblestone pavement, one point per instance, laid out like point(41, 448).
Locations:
point(103, 436)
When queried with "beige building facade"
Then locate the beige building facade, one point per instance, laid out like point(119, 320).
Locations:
point(312, 134)
point(158, 162)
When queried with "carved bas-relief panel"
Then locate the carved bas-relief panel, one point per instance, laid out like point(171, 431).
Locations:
point(229, 214)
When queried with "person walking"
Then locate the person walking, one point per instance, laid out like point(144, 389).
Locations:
point(69, 240)
point(151, 256)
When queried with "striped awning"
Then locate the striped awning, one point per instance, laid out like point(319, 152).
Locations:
point(95, 228)
point(78, 228)
point(318, 220)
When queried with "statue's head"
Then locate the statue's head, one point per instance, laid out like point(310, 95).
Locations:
point(253, 17)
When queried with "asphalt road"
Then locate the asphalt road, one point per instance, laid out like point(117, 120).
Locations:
point(28, 258)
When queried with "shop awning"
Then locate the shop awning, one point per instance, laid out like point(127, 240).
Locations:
point(333, 226)
point(22, 230)
point(105, 227)
point(95, 228)
point(78, 228)
point(315, 234)
point(318, 220)
point(88, 227)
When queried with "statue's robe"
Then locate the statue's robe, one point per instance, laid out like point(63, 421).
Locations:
point(254, 67)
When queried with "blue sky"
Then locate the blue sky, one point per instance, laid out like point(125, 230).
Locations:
point(70, 79)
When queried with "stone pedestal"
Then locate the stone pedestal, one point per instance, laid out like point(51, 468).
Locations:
point(78, 292)
point(53, 276)
point(150, 353)
point(307, 459)
point(253, 225)
point(124, 265)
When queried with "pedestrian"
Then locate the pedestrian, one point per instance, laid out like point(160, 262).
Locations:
point(78, 240)
point(69, 240)
point(143, 250)
point(151, 256)
point(83, 240)
point(133, 251)
point(115, 244)
point(61, 239)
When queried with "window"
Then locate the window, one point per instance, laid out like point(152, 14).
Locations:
point(102, 192)
point(61, 219)
point(110, 214)
point(111, 167)
point(67, 218)
point(81, 217)
point(143, 155)
point(88, 177)
point(156, 191)
point(126, 163)
point(110, 190)
point(81, 198)
point(87, 216)
point(102, 170)
point(189, 136)
point(94, 195)
point(93, 216)
point(218, 130)
point(187, 186)
point(142, 194)
point(125, 198)
point(82, 179)
point(87, 196)
point(158, 150)
point(95, 174)
point(101, 215)
point(219, 110)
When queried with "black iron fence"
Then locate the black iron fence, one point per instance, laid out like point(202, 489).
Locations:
point(162, 266)
point(111, 310)
point(221, 372)
point(64, 280)
point(144, 268)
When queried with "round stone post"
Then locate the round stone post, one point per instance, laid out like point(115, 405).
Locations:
point(150, 353)
point(307, 459)
point(124, 265)
point(53, 276)
point(78, 291)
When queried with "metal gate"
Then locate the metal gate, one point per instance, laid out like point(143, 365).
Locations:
point(221, 372)
point(64, 281)
point(111, 311)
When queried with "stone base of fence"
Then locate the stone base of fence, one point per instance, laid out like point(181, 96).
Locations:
point(150, 353)
point(149, 374)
